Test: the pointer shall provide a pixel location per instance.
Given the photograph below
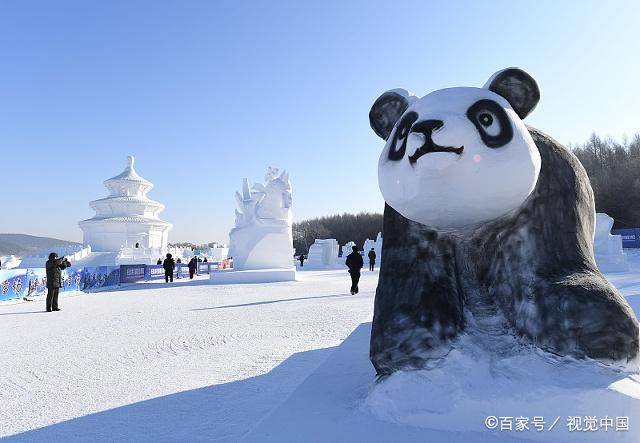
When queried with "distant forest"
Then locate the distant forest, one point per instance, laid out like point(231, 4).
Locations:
point(344, 228)
point(613, 168)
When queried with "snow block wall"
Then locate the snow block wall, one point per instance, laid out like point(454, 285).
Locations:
point(607, 248)
point(322, 253)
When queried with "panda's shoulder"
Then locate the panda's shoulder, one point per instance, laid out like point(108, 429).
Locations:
point(553, 153)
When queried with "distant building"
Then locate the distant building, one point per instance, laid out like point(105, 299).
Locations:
point(127, 216)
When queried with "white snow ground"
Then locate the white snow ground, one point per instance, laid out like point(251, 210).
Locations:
point(187, 362)
point(194, 362)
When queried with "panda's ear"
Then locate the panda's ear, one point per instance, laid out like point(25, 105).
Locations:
point(517, 87)
point(387, 109)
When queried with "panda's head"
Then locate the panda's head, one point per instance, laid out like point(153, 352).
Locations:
point(458, 157)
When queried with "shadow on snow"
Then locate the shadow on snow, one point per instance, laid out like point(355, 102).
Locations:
point(268, 302)
point(223, 412)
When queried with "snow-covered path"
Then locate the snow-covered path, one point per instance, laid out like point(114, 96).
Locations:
point(181, 362)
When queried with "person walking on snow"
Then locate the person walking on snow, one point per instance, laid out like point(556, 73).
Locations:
point(192, 267)
point(168, 265)
point(372, 259)
point(301, 258)
point(54, 267)
point(354, 263)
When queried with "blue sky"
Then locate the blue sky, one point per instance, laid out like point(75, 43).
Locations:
point(205, 93)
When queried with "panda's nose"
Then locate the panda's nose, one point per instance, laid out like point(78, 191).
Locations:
point(426, 127)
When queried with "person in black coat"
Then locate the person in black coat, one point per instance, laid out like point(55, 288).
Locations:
point(168, 265)
point(55, 265)
point(159, 262)
point(372, 259)
point(354, 263)
point(192, 267)
point(301, 258)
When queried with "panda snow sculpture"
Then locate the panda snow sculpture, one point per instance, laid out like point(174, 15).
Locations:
point(487, 222)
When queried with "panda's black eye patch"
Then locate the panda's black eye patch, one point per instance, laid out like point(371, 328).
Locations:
point(492, 123)
point(400, 136)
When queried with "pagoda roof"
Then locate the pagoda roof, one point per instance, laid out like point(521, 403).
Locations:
point(128, 199)
point(129, 174)
point(126, 219)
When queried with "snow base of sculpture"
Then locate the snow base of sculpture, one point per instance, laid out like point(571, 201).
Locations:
point(231, 277)
point(461, 390)
point(607, 248)
point(451, 401)
point(261, 247)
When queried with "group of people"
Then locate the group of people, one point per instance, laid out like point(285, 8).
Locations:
point(179, 261)
point(55, 265)
point(169, 265)
point(354, 263)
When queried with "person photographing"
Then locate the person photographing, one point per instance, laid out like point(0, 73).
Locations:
point(55, 265)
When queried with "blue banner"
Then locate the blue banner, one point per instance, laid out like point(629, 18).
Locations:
point(18, 283)
point(182, 270)
point(72, 279)
point(154, 272)
point(630, 237)
point(13, 284)
point(99, 276)
point(112, 275)
point(37, 281)
point(132, 273)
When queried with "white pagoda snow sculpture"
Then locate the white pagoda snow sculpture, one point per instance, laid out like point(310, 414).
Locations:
point(261, 244)
point(607, 248)
point(127, 217)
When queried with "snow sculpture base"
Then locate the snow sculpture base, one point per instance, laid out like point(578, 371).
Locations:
point(232, 277)
point(261, 247)
point(451, 402)
point(607, 248)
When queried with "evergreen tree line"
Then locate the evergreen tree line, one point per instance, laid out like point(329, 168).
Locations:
point(614, 170)
point(344, 228)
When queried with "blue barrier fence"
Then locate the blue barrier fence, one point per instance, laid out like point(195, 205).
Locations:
point(630, 237)
point(19, 283)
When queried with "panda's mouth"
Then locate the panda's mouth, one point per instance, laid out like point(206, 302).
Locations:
point(429, 147)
